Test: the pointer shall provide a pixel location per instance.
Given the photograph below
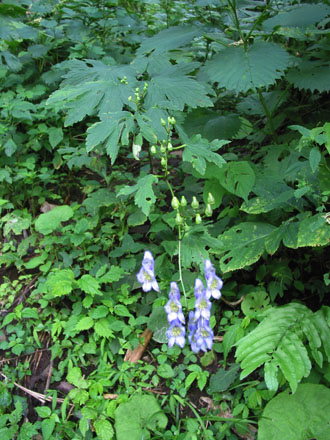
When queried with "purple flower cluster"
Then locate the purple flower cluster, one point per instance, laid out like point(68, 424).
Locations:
point(146, 275)
point(200, 334)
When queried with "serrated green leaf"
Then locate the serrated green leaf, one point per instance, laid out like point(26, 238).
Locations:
point(172, 89)
point(144, 195)
point(301, 15)
point(60, 283)
point(93, 87)
point(310, 75)
point(49, 221)
point(47, 428)
point(168, 39)
point(102, 328)
point(103, 429)
point(239, 70)
point(199, 151)
point(84, 323)
point(89, 285)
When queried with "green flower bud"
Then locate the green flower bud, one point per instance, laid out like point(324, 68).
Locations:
point(208, 210)
point(163, 122)
point(198, 219)
point(163, 149)
point(194, 203)
point(163, 162)
point(171, 120)
point(130, 98)
point(178, 219)
point(153, 150)
point(210, 199)
point(169, 146)
point(175, 203)
point(183, 201)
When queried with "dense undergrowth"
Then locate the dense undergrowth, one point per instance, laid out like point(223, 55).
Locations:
point(197, 131)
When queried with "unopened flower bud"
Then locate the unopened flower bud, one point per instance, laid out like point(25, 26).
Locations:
point(178, 219)
point(171, 120)
point(169, 146)
point(183, 201)
point(208, 210)
point(198, 219)
point(153, 150)
point(163, 122)
point(130, 98)
point(210, 199)
point(194, 203)
point(163, 149)
point(175, 203)
point(163, 162)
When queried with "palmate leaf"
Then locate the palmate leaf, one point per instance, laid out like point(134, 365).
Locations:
point(239, 70)
point(279, 343)
point(144, 195)
point(93, 87)
point(113, 131)
point(243, 245)
point(199, 151)
point(172, 88)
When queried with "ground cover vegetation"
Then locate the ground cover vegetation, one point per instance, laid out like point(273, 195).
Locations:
point(188, 143)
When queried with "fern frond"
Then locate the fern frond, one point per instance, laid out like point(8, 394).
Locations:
point(279, 342)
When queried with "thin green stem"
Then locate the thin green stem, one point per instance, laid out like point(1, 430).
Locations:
point(269, 115)
point(180, 269)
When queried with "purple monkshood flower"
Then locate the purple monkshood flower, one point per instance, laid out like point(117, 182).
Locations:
point(202, 304)
point(146, 275)
point(173, 308)
point(176, 334)
point(213, 282)
point(203, 338)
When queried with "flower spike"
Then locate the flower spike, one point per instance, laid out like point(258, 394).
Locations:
point(146, 275)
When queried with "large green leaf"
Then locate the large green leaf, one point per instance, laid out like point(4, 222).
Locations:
point(212, 125)
point(243, 245)
point(301, 15)
point(311, 75)
point(300, 416)
point(51, 220)
point(134, 417)
point(237, 177)
point(239, 70)
point(169, 39)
